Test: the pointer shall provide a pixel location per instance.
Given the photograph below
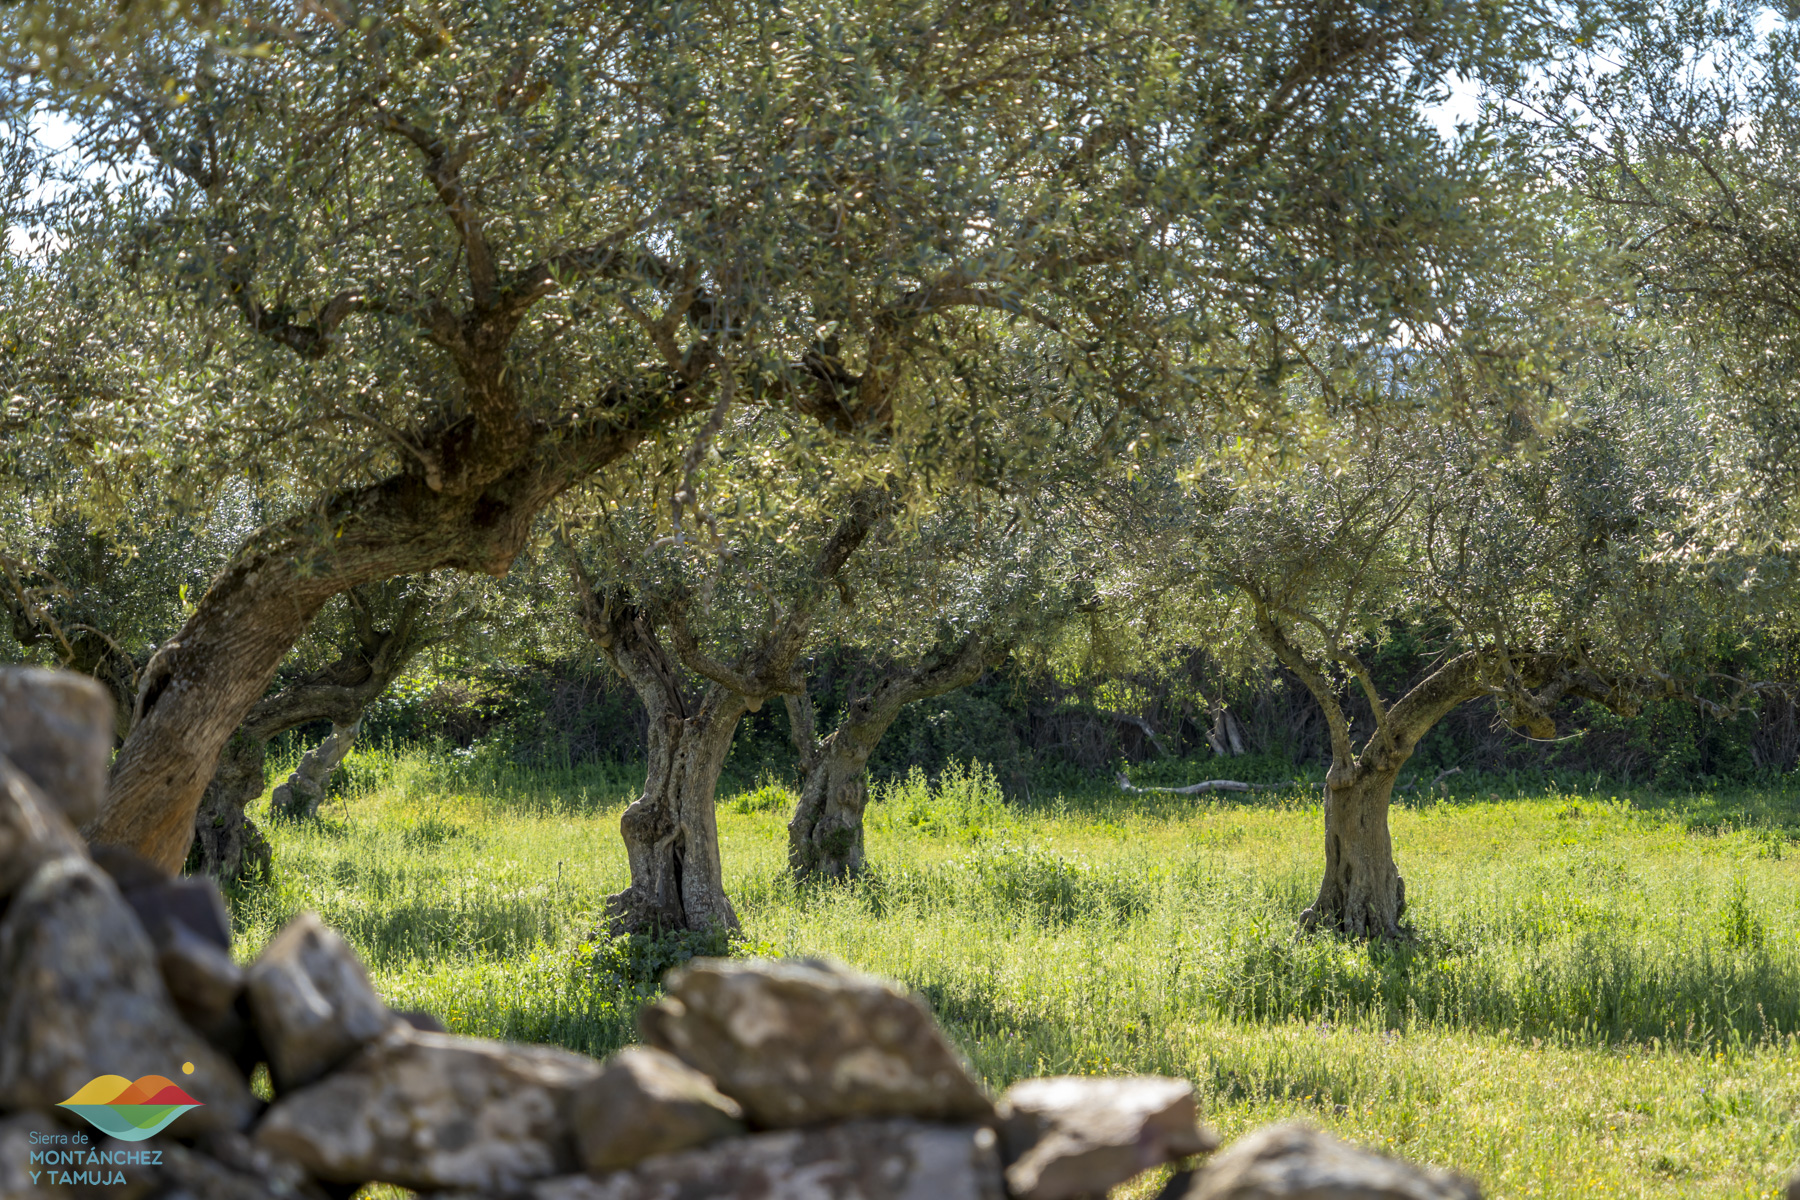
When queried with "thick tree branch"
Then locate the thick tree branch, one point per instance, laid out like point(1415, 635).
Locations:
point(443, 170)
point(754, 688)
point(1462, 679)
point(314, 339)
point(1291, 657)
point(945, 670)
point(803, 729)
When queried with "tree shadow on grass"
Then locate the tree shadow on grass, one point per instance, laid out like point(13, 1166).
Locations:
point(1602, 988)
point(484, 929)
point(1004, 1042)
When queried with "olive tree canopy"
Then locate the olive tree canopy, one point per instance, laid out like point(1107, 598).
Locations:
point(1677, 130)
point(1539, 577)
point(430, 266)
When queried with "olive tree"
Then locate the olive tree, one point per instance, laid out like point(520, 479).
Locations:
point(930, 605)
point(428, 269)
point(1543, 577)
point(1676, 131)
point(705, 630)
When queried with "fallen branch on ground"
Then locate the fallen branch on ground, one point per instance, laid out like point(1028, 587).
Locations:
point(1212, 785)
point(1233, 785)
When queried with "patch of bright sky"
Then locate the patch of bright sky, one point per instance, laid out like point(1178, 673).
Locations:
point(1462, 107)
point(1463, 104)
point(57, 135)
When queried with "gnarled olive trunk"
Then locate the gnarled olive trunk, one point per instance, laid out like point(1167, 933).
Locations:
point(227, 844)
point(1362, 893)
point(671, 832)
point(825, 835)
point(304, 790)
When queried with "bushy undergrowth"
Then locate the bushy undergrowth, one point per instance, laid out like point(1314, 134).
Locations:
point(1602, 995)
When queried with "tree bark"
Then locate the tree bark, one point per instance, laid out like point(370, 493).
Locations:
point(201, 685)
point(671, 832)
point(825, 835)
point(225, 842)
point(227, 845)
point(1233, 732)
point(300, 796)
point(1362, 893)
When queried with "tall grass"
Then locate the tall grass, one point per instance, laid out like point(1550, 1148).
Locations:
point(1601, 997)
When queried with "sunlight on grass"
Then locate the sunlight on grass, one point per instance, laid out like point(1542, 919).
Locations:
point(1603, 998)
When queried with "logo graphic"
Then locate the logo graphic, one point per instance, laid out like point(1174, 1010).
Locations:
point(131, 1109)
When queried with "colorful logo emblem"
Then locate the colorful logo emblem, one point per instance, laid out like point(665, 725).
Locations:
point(130, 1109)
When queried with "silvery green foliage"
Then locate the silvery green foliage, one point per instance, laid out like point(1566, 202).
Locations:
point(1676, 130)
point(279, 238)
point(1551, 560)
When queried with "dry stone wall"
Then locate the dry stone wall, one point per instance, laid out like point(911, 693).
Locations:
point(756, 1079)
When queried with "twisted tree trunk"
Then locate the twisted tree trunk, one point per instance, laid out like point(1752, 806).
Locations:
point(825, 835)
point(671, 832)
point(1362, 893)
point(304, 791)
point(227, 845)
point(225, 842)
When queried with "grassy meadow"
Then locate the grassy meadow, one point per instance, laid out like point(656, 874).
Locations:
point(1603, 997)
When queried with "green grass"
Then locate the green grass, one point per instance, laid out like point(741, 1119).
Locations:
point(1603, 997)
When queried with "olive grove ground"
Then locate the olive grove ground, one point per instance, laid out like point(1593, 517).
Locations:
point(1603, 997)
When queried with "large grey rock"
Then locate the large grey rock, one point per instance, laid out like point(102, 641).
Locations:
point(32, 830)
point(57, 727)
point(193, 903)
point(232, 1167)
point(80, 996)
point(646, 1102)
point(428, 1110)
point(1073, 1135)
point(803, 1042)
point(859, 1160)
point(203, 980)
point(1298, 1162)
point(312, 1002)
point(190, 927)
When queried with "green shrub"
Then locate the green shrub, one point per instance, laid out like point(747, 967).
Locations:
point(966, 803)
point(768, 796)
